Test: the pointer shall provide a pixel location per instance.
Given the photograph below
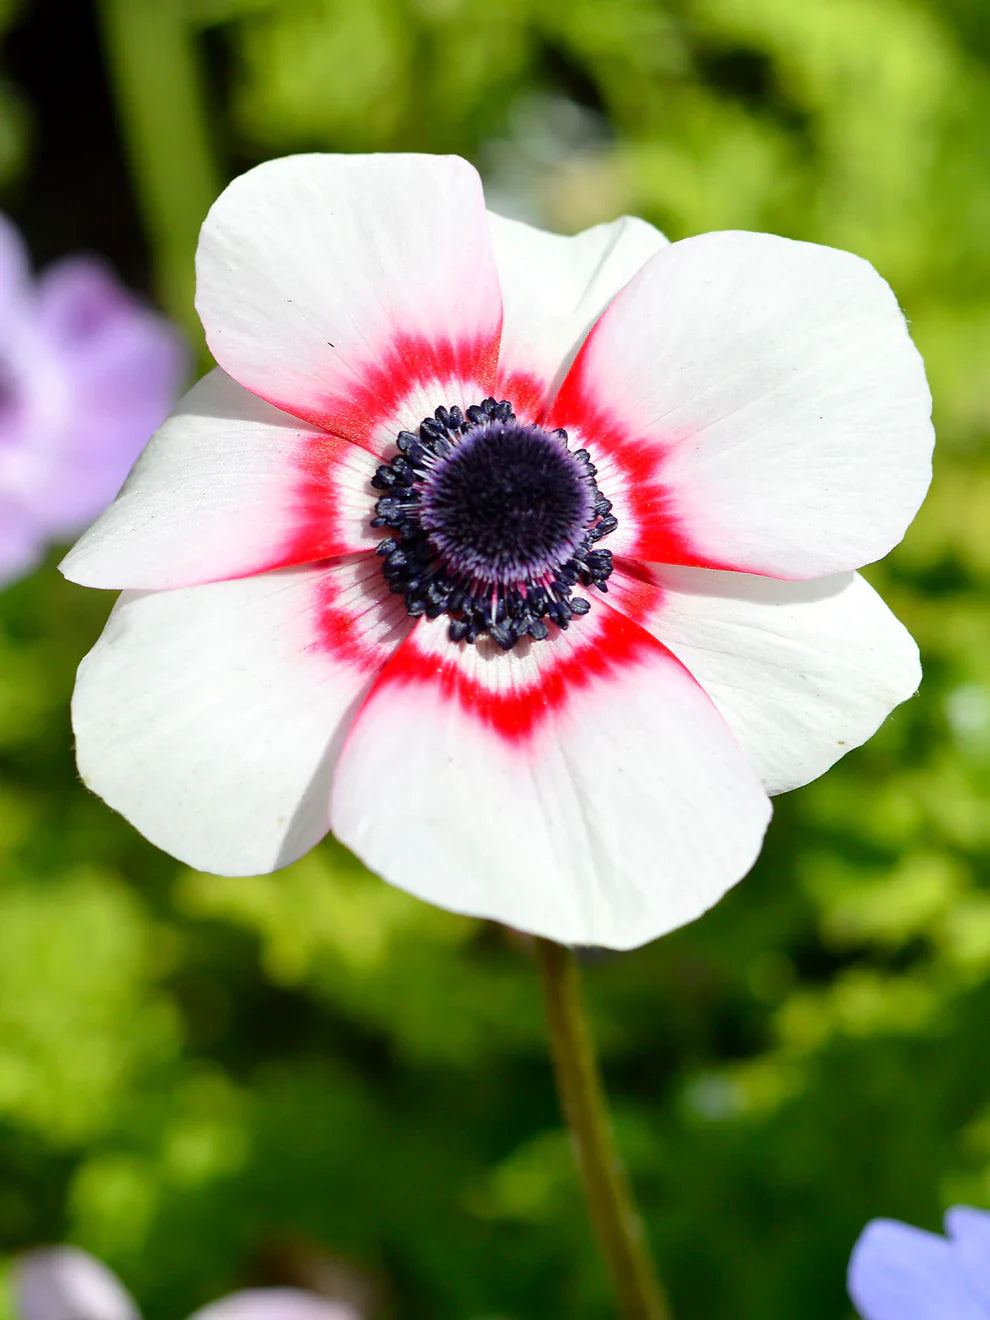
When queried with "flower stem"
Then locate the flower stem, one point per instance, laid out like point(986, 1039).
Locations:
point(155, 77)
point(613, 1211)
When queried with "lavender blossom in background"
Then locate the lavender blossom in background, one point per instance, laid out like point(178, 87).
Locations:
point(898, 1272)
point(65, 1283)
point(86, 374)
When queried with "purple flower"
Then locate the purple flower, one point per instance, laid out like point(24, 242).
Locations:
point(898, 1272)
point(64, 1283)
point(86, 374)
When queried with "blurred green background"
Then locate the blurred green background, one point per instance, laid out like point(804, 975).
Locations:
point(313, 1078)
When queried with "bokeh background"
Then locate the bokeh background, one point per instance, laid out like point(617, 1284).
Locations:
point(313, 1078)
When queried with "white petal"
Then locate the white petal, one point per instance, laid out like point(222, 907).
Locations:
point(64, 1283)
point(275, 1304)
point(767, 400)
point(329, 284)
point(212, 716)
point(801, 671)
point(554, 288)
point(227, 487)
point(585, 790)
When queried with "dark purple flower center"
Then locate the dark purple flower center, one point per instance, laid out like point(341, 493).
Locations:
point(494, 523)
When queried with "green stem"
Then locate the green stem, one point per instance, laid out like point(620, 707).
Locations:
point(610, 1201)
point(151, 59)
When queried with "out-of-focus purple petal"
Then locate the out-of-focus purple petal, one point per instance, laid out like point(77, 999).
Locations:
point(87, 373)
point(79, 299)
point(35, 399)
point(969, 1230)
point(19, 542)
point(898, 1272)
point(276, 1304)
point(64, 1283)
point(124, 366)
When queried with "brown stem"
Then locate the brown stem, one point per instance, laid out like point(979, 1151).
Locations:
point(613, 1211)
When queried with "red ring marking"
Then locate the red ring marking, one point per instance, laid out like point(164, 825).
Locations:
point(318, 531)
point(352, 416)
point(527, 394)
point(338, 608)
point(517, 715)
point(661, 535)
point(408, 362)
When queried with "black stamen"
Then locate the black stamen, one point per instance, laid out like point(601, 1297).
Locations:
point(493, 522)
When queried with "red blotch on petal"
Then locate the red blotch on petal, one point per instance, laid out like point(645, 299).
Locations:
point(649, 501)
point(517, 714)
point(318, 501)
point(347, 615)
point(355, 417)
point(525, 392)
point(633, 590)
point(376, 392)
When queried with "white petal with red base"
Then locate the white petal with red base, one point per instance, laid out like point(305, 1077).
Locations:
point(324, 282)
point(554, 288)
point(749, 403)
point(801, 671)
point(768, 398)
point(586, 790)
point(211, 717)
point(228, 486)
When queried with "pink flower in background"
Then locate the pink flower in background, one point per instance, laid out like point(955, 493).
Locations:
point(523, 563)
point(64, 1283)
point(86, 374)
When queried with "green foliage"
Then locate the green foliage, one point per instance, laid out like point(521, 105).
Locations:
point(201, 1076)
point(15, 126)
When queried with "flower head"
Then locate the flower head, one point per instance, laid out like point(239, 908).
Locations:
point(86, 374)
point(898, 1272)
point(65, 1283)
point(523, 563)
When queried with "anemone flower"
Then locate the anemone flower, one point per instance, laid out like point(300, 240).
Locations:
point(898, 1272)
point(86, 373)
point(64, 1283)
point(522, 563)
